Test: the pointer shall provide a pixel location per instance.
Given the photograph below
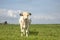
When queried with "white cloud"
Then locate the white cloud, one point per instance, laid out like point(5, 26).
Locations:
point(2, 10)
point(9, 13)
point(45, 17)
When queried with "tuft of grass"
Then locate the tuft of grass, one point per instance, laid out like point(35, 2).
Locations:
point(37, 32)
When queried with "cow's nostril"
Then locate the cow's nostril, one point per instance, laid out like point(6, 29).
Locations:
point(26, 19)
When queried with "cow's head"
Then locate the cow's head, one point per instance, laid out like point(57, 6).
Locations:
point(25, 14)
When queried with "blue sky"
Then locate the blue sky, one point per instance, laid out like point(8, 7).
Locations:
point(43, 11)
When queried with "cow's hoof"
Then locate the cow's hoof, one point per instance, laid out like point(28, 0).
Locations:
point(26, 35)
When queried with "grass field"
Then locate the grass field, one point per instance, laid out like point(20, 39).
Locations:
point(37, 32)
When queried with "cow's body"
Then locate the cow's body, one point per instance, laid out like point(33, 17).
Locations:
point(24, 25)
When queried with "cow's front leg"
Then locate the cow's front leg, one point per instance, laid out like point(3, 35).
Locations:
point(22, 30)
point(27, 31)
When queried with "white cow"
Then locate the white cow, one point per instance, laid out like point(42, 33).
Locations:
point(24, 23)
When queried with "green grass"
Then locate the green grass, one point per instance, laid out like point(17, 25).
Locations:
point(37, 32)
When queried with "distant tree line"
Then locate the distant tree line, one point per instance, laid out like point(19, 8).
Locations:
point(5, 22)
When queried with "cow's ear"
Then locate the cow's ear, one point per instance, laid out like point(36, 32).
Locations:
point(21, 14)
point(30, 14)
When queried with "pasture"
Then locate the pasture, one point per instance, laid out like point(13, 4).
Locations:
point(37, 32)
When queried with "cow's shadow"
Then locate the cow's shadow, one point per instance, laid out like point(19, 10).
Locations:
point(35, 33)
